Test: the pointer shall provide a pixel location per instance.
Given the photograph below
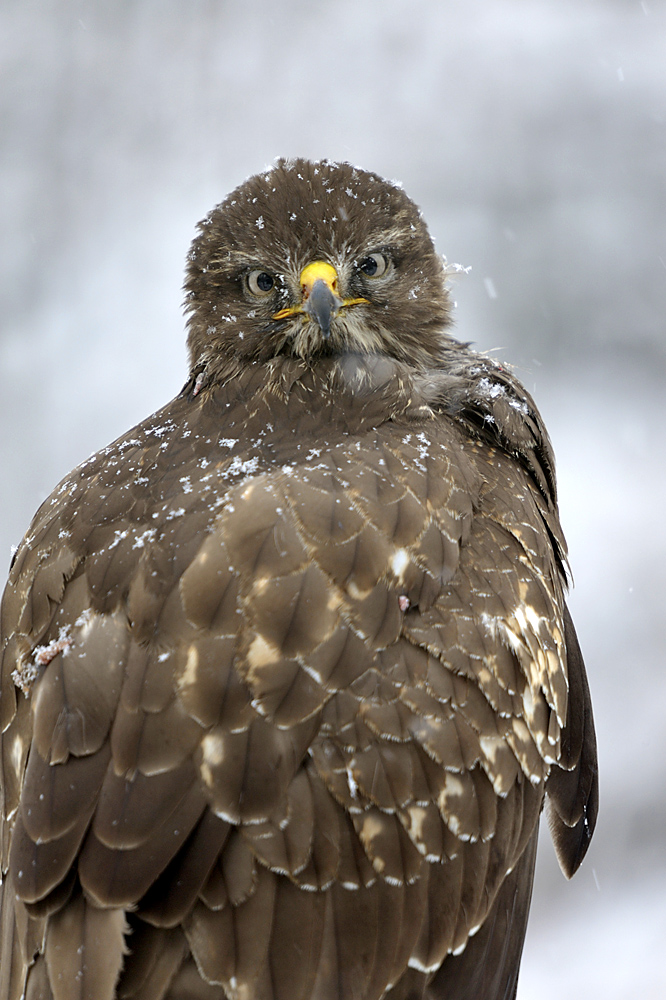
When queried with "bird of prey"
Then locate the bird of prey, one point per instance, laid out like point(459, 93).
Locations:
point(288, 675)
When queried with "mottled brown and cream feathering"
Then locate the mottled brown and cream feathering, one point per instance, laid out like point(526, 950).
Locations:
point(287, 672)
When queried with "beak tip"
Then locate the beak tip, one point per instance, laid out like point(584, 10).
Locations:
point(323, 305)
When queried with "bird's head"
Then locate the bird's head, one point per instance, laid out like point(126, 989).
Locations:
point(309, 259)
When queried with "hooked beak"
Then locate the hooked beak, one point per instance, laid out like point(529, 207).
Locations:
point(319, 296)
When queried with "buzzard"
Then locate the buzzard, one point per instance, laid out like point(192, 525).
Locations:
point(288, 673)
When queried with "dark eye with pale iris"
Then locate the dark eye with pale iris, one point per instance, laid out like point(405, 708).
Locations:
point(260, 282)
point(374, 265)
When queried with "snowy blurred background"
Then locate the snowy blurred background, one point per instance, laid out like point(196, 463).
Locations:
point(533, 135)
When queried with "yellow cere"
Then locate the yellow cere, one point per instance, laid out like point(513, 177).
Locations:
point(318, 270)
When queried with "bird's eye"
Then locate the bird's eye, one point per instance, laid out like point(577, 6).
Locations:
point(260, 282)
point(374, 265)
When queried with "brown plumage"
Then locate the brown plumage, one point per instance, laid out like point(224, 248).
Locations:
point(287, 669)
